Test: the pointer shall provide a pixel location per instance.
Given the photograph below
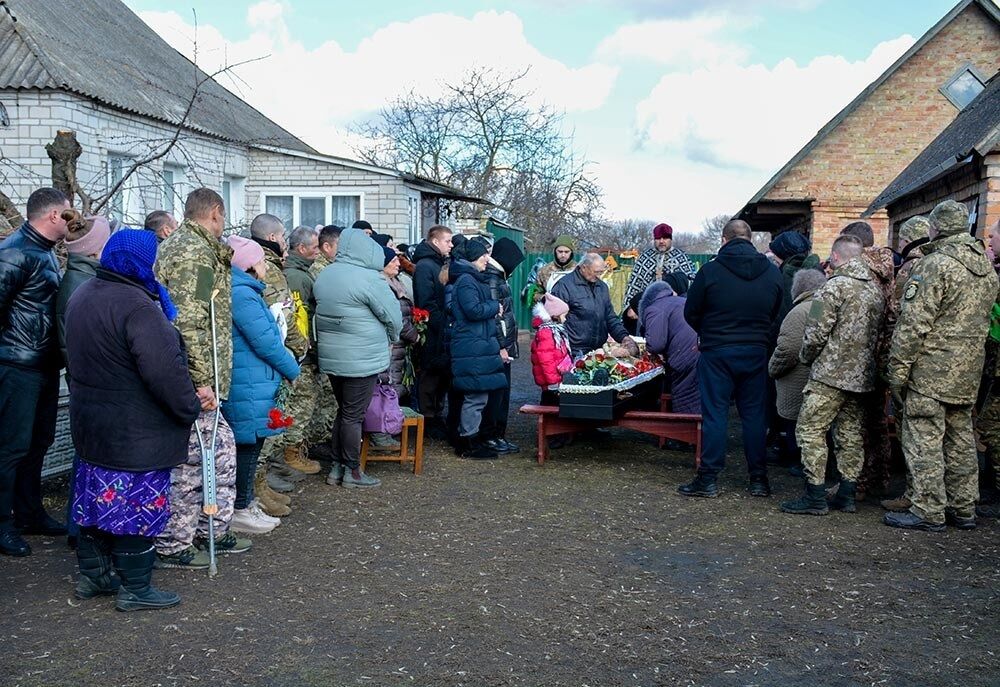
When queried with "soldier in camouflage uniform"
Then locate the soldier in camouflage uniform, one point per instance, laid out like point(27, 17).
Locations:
point(839, 344)
point(325, 407)
point(934, 370)
point(195, 248)
point(988, 421)
point(912, 235)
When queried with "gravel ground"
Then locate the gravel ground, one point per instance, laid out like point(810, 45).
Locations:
point(590, 570)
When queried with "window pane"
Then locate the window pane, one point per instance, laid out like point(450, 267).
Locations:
point(346, 210)
point(312, 211)
point(965, 88)
point(168, 190)
point(280, 207)
point(115, 172)
point(226, 189)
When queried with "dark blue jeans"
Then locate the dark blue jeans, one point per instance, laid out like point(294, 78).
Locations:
point(246, 470)
point(725, 373)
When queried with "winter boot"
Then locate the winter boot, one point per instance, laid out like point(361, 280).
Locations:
point(262, 488)
point(813, 502)
point(136, 593)
point(271, 505)
point(701, 485)
point(96, 576)
point(383, 443)
point(355, 479)
point(286, 473)
point(844, 498)
point(296, 457)
point(336, 476)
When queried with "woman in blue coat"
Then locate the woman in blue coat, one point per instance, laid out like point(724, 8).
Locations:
point(476, 365)
point(260, 361)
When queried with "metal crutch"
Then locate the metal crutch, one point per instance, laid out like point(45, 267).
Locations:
point(210, 506)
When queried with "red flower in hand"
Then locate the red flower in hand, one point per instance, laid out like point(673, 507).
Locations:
point(276, 419)
point(108, 495)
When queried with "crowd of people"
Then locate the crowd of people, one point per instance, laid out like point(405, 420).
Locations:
point(271, 354)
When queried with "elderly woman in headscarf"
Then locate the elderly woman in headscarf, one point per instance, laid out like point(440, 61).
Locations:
point(661, 321)
point(132, 404)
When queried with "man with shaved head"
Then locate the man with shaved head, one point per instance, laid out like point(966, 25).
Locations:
point(732, 305)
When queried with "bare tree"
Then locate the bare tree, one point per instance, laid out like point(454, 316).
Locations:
point(712, 231)
point(485, 136)
point(620, 234)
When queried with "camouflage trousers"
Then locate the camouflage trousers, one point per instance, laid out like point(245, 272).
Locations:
point(822, 407)
point(187, 520)
point(312, 405)
point(877, 469)
point(988, 424)
point(940, 456)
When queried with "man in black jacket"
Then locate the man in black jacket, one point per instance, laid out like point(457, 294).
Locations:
point(732, 305)
point(433, 374)
point(591, 316)
point(29, 368)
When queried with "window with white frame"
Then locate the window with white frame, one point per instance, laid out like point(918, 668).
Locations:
point(122, 204)
point(173, 188)
point(413, 218)
point(234, 196)
point(311, 207)
point(964, 85)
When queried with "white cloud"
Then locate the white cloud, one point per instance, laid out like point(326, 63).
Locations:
point(315, 92)
point(753, 116)
point(696, 41)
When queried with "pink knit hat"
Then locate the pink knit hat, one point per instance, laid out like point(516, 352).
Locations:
point(91, 243)
point(554, 306)
point(246, 253)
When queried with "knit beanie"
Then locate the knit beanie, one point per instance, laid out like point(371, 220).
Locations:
point(565, 241)
point(554, 305)
point(678, 281)
point(914, 229)
point(475, 250)
point(788, 244)
point(362, 225)
point(507, 254)
point(950, 218)
point(381, 239)
point(390, 255)
point(663, 231)
point(246, 253)
point(131, 253)
point(93, 242)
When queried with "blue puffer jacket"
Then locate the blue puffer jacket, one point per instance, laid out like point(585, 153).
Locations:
point(260, 360)
point(475, 351)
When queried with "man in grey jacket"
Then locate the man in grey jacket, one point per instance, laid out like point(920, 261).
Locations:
point(591, 316)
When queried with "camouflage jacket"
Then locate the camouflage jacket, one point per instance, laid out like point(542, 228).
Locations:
point(318, 264)
point(938, 346)
point(547, 273)
point(276, 291)
point(902, 276)
point(178, 261)
point(842, 329)
point(883, 269)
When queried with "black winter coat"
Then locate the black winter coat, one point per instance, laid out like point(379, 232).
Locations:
point(735, 299)
point(506, 323)
point(591, 316)
point(79, 270)
point(475, 352)
point(29, 281)
point(132, 401)
point(428, 294)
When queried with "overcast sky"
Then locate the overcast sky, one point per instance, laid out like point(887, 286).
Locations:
point(686, 108)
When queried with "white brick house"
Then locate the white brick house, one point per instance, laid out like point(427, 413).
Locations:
point(124, 98)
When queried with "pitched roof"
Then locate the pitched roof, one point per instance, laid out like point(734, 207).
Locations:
point(100, 49)
point(986, 6)
point(976, 129)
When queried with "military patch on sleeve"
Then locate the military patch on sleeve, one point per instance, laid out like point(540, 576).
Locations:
point(816, 309)
point(911, 290)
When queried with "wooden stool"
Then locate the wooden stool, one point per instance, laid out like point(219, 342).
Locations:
point(404, 445)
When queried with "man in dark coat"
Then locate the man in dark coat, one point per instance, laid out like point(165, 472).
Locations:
point(732, 305)
point(29, 368)
point(428, 294)
point(504, 259)
point(591, 316)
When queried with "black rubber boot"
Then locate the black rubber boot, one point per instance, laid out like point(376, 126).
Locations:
point(97, 578)
point(844, 498)
point(813, 502)
point(136, 592)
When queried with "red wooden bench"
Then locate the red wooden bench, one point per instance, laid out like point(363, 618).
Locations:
point(679, 426)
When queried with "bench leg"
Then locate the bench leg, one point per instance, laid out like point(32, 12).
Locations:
point(697, 449)
point(404, 444)
point(418, 450)
point(543, 441)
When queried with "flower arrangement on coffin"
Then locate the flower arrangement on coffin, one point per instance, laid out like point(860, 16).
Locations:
point(601, 368)
point(276, 417)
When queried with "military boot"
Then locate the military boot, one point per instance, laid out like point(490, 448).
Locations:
point(296, 458)
point(900, 504)
point(271, 506)
point(844, 499)
point(261, 488)
point(813, 502)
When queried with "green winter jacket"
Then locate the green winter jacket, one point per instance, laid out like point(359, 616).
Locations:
point(357, 314)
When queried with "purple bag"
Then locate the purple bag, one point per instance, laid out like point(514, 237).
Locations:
point(383, 414)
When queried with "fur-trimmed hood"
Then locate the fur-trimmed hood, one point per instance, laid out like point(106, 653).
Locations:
point(655, 291)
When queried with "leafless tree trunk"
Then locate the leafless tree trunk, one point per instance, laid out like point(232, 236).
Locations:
point(64, 151)
point(10, 218)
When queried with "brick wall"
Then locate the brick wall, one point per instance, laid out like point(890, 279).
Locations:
point(873, 144)
point(385, 197)
point(37, 115)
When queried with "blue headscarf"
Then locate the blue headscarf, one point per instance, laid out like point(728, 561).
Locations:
point(131, 253)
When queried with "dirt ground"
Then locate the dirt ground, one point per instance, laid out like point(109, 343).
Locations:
point(589, 571)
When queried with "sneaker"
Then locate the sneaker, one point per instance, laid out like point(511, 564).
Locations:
point(356, 479)
point(189, 558)
point(760, 487)
point(251, 521)
point(962, 522)
point(509, 446)
point(336, 476)
point(702, 486)
point(909, 521)
point(228, 543)
point(991, 510)
point(258, 509)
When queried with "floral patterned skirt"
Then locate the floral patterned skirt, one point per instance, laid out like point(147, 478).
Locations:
point(120, 502)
